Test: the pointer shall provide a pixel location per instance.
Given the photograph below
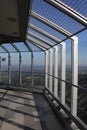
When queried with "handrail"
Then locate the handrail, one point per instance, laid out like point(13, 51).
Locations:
point(79, 87)
point(77, 120)
point(82, 89)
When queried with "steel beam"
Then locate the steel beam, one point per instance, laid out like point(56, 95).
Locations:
point(46, 69)
point(69, 11)
point(44, 33)
point(32, 62)
point(56, 71)
point(36, 43)
point(74, 75)
point(63, 71)
point(40, 39)
point(50, 24)
point(50, 69)
point(20, 63)
point(5, 48)
point(28, 47)
point(41, 48)
point(12, 44)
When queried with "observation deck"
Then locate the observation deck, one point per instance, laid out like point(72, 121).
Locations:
point(36, 90)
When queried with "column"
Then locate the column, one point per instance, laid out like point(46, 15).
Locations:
point(50, 70)
point(56, 71)
point(63, 71)
point(74, 75)
point(46, 69)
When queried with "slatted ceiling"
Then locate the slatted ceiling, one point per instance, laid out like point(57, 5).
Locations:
point(53, 14)
point(42, 36)
point(33, 47)
point(79, 5)
point(47, 28)
point(9, 47)
point(21, 46)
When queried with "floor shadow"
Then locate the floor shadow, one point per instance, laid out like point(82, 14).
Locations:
point(34, 110)
point(18, 111)
point(15, 124)
point(14, 95)
point(16, 102)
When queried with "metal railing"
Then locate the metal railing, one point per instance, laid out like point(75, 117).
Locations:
point(81, 118)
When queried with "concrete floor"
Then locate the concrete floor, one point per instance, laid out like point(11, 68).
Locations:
point(26, 111)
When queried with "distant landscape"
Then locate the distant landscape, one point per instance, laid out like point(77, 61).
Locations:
point(39, 81)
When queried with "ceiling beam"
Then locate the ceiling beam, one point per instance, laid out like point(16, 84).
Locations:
point(41, 48)
point(44, 33)
point(36, 43)
point(40, 39)
point(28, 47)
point(15, 47)
point(69, 11)
point(4, 48)
point(50, 24)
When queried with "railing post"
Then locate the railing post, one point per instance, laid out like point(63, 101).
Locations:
point(46, 69)
point(74, 75)
point(50, 69)
point(63, 71)
point(56, 71)
point(9, 68)
point(20, 68)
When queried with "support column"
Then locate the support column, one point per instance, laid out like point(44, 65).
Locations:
point(63, 71)
point(20, 68)
point(32, 63)
point(50, 70)
point(56, 71)
point(74, 75)
point(46, 69)
point(9, 68)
